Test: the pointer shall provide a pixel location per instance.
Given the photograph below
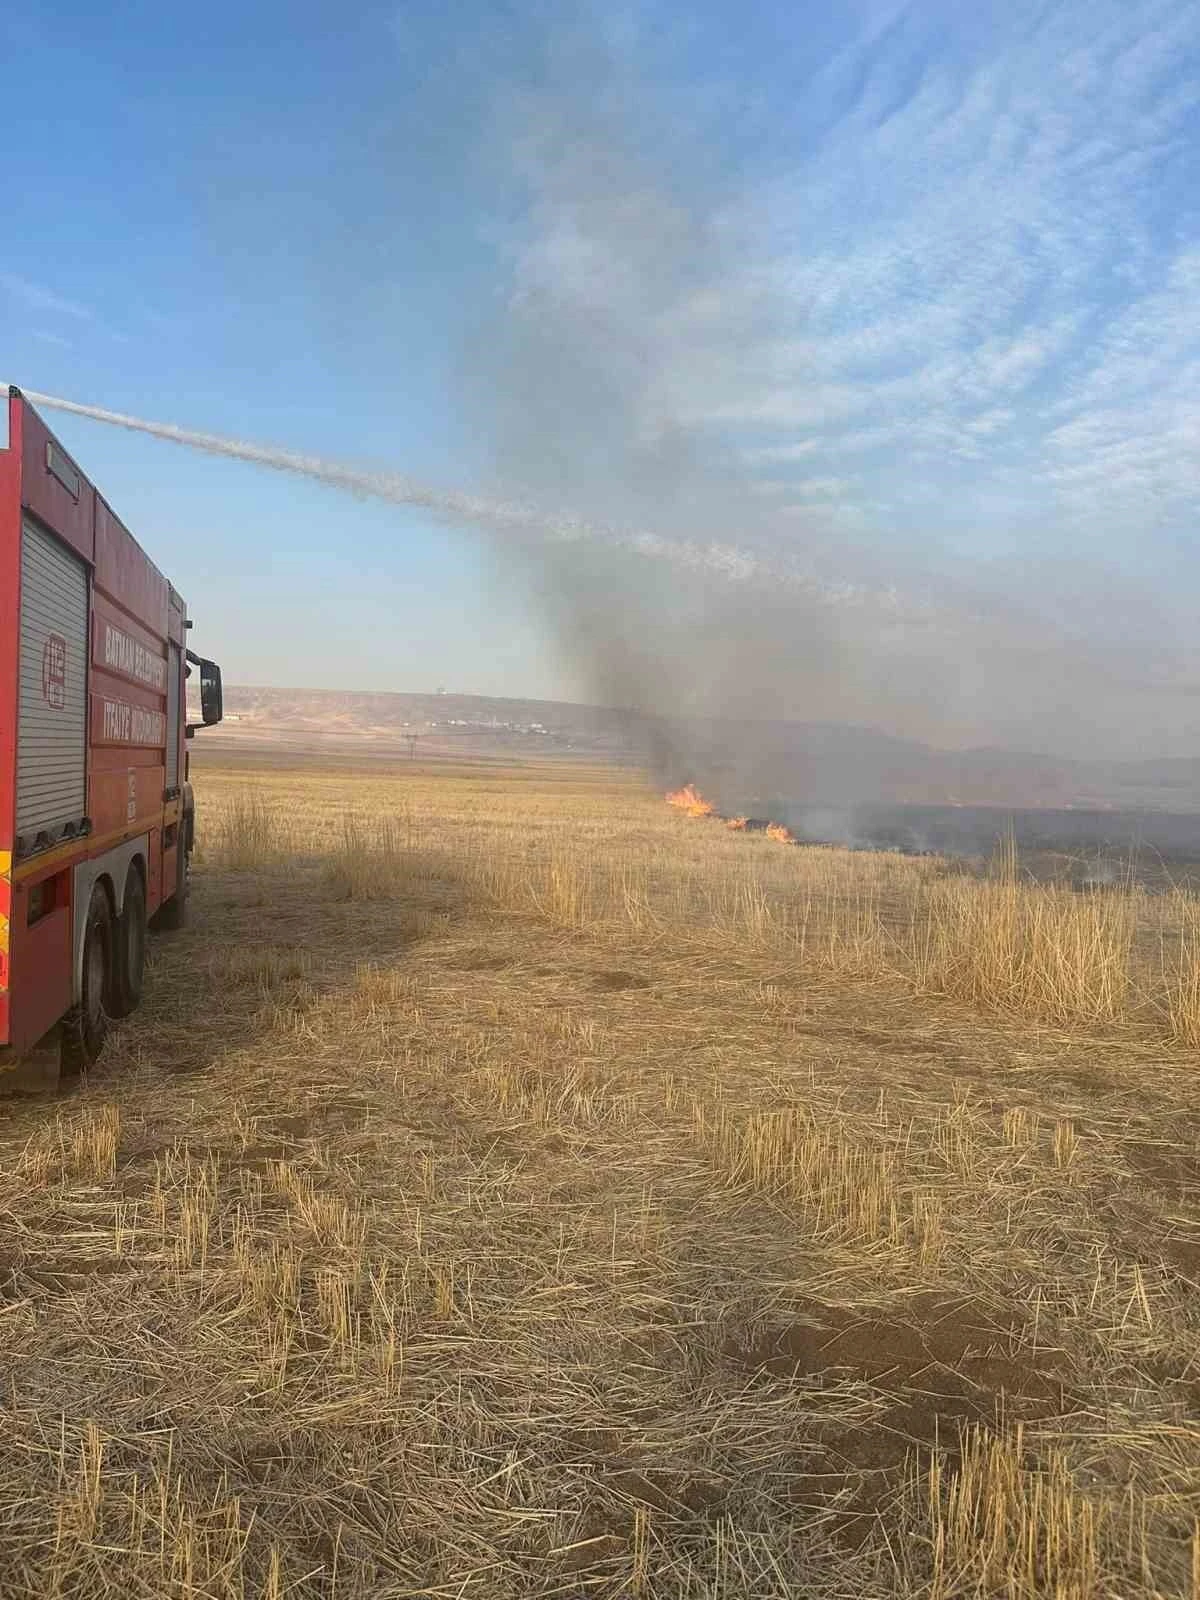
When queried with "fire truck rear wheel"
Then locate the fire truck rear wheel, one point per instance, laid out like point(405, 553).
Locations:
point(172, 914)
point(85, 1027)
point(130, 966)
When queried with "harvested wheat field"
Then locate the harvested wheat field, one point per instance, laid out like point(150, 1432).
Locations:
point(512, 1186)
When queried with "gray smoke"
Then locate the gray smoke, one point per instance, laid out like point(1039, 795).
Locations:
point(627, 240)
point(624, 236)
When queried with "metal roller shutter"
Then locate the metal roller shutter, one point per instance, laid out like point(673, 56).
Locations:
point(52, 702)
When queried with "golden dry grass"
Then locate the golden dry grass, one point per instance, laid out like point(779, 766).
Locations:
point(512, 1187)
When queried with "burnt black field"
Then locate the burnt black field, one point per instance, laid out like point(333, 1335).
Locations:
point(1150, 843)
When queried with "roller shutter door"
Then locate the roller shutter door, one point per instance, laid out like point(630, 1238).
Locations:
point(52, 700)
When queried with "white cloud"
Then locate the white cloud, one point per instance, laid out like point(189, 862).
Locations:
point(779, 453)
point(962, 270)
point(959, 317)
point(36, 297)
point(819, 488)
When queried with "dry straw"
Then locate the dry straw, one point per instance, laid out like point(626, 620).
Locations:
point(514, 1187)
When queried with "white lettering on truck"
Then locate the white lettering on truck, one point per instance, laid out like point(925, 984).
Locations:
point(132, 659)
point(126, 724)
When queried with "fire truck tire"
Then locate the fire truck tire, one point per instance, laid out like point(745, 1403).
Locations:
point(85, 1027)
point(172, 914)
point(129, 968)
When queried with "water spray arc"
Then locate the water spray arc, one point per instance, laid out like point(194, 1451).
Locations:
point(398, 489)
point(726, 563)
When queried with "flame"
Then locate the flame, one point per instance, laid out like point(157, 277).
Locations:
point(690, 799)
point(692, 802)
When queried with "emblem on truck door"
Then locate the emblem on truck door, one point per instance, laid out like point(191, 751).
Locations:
point(54, 671)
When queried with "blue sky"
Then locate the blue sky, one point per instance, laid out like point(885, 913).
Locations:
point(904, 295)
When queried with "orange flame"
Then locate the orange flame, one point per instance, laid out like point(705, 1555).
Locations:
point(692, 802)
point(690, 799)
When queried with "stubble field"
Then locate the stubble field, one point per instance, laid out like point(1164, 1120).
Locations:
point(512, 1187)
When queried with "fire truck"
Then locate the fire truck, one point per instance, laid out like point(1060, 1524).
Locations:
point(97, 819)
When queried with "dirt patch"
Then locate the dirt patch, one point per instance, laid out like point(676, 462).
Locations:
point(671, 1492)
point(9, 1291)
point(258, 1464)
point(889, 1044)
point(924, 1332)
point(940, 1365)
point(598, 1539)
point(1145, 1232)
point(1184, 1255)
point(1173, 1168)
point(254, 1158)
point(19, 1274)
point(613, 982)
point(341, 1112)
point(291, 1125)
point(480, 960)
point(67, 1273)
point(1088, 1082)
point(281, 1130)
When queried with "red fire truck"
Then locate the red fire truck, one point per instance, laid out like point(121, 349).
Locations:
point(96, 811)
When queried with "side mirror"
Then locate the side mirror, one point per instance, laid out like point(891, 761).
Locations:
point(210, 693)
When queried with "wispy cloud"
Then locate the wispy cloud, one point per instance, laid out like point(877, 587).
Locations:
point(37, 297)
point(946, 332)
point(985, 247)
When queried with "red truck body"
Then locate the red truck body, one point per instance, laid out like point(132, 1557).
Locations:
point(95, 808)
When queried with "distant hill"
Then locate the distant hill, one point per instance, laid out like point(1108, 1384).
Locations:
point(441, 724)
point(821, 763)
